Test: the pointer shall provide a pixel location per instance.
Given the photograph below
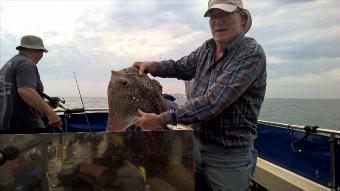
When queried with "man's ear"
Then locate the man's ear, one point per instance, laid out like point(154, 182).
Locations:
point(244, 19)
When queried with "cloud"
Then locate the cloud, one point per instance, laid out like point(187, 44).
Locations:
point(301, 42)
point(298, 30)
point(137, 34)
point(306, 85)
point(291, 67)
point(334, 74)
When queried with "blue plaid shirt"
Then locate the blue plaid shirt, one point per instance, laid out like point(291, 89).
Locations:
point(227, 94)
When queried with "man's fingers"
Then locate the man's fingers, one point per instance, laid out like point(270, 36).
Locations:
point(140, 66)
point(141, 70)
point(54, 120)
point(56, 124)
point(141, 113)
point(137, 120)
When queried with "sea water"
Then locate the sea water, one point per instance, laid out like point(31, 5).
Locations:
point(324, 113)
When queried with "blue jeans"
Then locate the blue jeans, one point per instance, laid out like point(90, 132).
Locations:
point(216, 169)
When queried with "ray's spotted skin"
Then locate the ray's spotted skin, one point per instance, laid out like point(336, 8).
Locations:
point(127, 92)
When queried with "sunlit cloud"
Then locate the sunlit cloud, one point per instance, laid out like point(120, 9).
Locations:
point(146, 43)
point(334, 74)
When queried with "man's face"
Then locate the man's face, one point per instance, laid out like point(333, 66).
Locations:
point(226, 26)
point(38, 54)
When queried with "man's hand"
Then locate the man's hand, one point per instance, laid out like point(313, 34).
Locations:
point(147, 121)
point(54, 120)
point(145, 67)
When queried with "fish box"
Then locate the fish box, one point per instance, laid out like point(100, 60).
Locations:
point(129, 161)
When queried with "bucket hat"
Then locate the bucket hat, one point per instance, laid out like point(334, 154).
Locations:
point(32, 42)
point(229, 6)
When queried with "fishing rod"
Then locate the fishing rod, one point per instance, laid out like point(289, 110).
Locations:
point(82, 102)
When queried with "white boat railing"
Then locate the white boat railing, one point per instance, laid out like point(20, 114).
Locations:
point(299, 127)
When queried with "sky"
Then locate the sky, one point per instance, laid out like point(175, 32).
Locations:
point(88, 39)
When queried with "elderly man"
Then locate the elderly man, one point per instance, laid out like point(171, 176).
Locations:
point(21, 106)
point(229, 82)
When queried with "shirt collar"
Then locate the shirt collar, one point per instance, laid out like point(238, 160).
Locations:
point(211, 43)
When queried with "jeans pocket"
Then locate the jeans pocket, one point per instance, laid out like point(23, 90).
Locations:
point(226, 160)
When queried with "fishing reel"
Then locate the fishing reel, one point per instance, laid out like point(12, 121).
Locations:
point(54, 101)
